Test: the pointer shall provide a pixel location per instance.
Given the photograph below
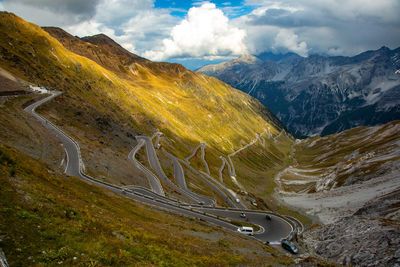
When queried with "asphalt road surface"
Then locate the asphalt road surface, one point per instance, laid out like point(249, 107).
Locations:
point(274, 229)
point(156, 166)
point(179, 176)
point(153, 180)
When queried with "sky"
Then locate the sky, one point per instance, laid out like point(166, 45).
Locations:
point(195, 33)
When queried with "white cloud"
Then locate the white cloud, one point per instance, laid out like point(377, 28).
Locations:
point(287, 39)
point(117, 11)
point(148, 28)
point(87, 28)
point(205, 31)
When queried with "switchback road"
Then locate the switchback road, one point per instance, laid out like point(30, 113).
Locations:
point(277, 228)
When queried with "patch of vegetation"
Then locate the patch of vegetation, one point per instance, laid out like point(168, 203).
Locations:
point(47, 220)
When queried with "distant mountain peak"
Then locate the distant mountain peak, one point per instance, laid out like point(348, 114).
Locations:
point(385, 48)
point(247, 58)
point(100, 39)
point(321, 94)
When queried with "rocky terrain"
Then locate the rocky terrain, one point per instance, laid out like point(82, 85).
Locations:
point(350, 184)
point(369, 237)
point(319, 95)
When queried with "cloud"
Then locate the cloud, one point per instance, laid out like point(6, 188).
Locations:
point(328, 27)
point(287, 39)
point(205, 31)
point(70, 6)
point(135, 24)
point(115, 12)
point(90, 27)
point(148, 28)
point(51, 12)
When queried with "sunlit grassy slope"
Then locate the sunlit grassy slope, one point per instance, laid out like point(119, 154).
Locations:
point(48, 219)
point(183, 104)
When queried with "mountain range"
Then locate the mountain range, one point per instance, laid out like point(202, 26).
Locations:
point(320, 95)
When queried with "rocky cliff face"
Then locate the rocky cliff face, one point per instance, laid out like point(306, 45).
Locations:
point(320, 95)
point(370, 237)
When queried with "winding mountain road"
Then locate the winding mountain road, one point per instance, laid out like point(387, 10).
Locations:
point(153, 180)
point(277, 228)
point(202, 146)
point(156, 166)
point(179, 176)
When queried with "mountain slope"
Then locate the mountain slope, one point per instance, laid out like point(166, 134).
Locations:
point(50, 219)
point(350, 183)
point(110, 98)
point(33, 50)
point(67, 218)
point(321, 95)
point(95, 48)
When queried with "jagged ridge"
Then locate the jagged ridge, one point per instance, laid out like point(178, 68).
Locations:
point(318, 94)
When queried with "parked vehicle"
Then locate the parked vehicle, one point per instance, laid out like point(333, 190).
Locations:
point(246, 230)
point(289, 246)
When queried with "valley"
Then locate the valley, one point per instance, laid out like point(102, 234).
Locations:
point(159, 162)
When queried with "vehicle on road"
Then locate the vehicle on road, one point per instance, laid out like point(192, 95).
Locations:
point(243, 215)
point(267, 217)
point(246, 230)
point(201, 203)
point(289, 246)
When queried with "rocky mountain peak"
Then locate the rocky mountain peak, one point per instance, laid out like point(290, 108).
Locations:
point(321, 94)
point(247, 59)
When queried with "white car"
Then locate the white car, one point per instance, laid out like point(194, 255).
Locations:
point(246, 230)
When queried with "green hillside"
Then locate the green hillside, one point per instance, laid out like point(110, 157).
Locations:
point(111, 95)
point(48, 219)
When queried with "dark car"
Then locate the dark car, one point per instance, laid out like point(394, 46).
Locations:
point(267, 217)
point(289, 246)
